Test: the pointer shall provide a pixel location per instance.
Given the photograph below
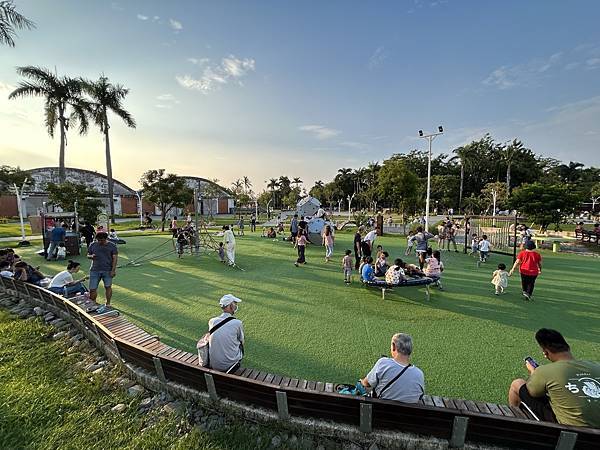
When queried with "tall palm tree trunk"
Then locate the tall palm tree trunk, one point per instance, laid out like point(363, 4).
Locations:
point(462, 179)
point(62, 176)
point(109, 178)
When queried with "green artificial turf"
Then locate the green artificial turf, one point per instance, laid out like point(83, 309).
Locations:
point(304, 322)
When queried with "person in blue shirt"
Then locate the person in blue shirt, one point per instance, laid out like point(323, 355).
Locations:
point(367, 274)
point(57, 236)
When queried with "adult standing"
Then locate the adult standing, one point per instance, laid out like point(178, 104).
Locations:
point(529, 263)
point(88, 232)
point(294, 228)
point(302, 225)
point(368, 242)
point(57, 236)
point(104, 255)
point(226, 344)
point(229, 244)
point(253, 223)
point(328, 240)
point(357, 247)
point(241, 226)
point(421, 237)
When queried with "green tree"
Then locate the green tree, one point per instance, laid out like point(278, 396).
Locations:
point(64, 195)
point(545, 204)
point(10, 21)
point(168, 191)
point(595, 196)
point(487, 195)
point(291, 200)
point(11, 175)
point(60, 94)
point(104, 98)
point(398, 185)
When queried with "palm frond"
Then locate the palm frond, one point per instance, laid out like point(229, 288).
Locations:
point(40, 74)
point(27, 89)
point(50, 111)
point(10, 21)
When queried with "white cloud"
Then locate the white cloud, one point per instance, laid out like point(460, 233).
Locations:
point(163, 106)
point(155, 18)
point(378, 57)
point(175, 24)
point(198, 61)
point(572, 65)
point(526, 74)
point(142, 17)
point(6, 87)
point(356, 145)
point(230, 69)
point(319, 131)
point(592, 63)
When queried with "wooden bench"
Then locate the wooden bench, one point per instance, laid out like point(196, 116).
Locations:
point(457, 420)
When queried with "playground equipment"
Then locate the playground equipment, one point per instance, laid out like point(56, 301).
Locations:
point(309, 207)
point(501, 231)
point(46, 221)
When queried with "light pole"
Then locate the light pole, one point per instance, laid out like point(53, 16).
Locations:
point(430, 137)
point(350, 197)
point(494, 196)
point(139, 194)
point(20, 197)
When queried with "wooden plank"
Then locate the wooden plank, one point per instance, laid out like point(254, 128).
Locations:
point(518, 413)
point(329, 387)
point(244, 371)
point(284, 382)
point(460, 404)
point(239, 371)
point(449, 403)
point(494, 409)
point(249, 373)
point(191, 358)
point(506, 410)
point(483, 407)
point(168, 351)
point(320, 386)
point(132, 334)
point(294, 382)
point(154, 346)
point(437, 401)
point(262, 376)
point(256, 374)
point(277, 379)
point(312, 385)
point(269, 378)
point(302, 384)
point(471, 406)
point(427, 400)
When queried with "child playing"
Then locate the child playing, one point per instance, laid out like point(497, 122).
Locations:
point(347, 266)
point(500, 279)
point(221, 252)
point(474, 244)
point(434, 268)
point(381, 265)
point(61, 253)
point(409, 243)
point(484, 248)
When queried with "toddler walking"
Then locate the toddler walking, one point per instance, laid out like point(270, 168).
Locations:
point(500, 279)
point(221, 252)
point(409, 243)
point(347, 266)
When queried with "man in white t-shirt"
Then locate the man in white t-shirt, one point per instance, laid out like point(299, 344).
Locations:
point(226, 344)
point(368, 242)
point(395, 378)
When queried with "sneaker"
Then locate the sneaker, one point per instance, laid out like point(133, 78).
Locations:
point(296, 264)
point(526, 295)
point(496, 293)
point(102, 309)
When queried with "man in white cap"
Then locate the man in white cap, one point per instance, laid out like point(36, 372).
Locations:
point(229, 244)
point(226, 343)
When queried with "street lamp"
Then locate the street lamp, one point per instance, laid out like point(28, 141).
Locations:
point(350, 197)
point(20, 197)
point(430, 137)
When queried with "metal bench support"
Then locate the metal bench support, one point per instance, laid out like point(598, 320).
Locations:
point(210, 385)
point(366, 417)
point(159, 370)
point(459, 432)
point(282, 405)
point(566, 440)
point(427, 293)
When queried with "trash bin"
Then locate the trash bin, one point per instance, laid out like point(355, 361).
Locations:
point(555, 246)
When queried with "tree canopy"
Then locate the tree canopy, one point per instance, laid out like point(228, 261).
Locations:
point(167, 191)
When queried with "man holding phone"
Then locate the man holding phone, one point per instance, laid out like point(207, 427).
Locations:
point(104, 255)
point(566, 391)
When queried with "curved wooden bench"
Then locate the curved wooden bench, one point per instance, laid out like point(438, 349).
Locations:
point(453, 419)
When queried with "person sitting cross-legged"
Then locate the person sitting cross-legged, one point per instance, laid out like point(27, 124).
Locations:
point(367, 273)
point(396, 378)
point(566, 391)
point(63, 282)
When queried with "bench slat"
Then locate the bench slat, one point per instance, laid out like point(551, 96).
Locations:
point(277, 379)
point(518, 413)
point(328, 387)
point(294, 382)
point(302, 384)
point(494, 409)
point(437, 401)
point(483, 407)
point(506, 410)
point(427, 400)
point(312, 385)
point(471, 406)
point(284, 382)
point(269, 378)
point(449, 403)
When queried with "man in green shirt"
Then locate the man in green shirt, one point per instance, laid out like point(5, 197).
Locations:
point(566, 391)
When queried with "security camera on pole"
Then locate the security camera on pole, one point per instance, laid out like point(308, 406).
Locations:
point(430, 137)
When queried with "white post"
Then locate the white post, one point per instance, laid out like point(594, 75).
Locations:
point(139, 194)
point(256, 209)
point(19, 194)
point(430, 139)
point(494, 195)
point(350, 197)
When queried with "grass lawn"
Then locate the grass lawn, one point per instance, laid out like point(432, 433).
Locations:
point(305, 323)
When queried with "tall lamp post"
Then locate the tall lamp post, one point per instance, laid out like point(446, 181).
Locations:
point(430, 137)
point(20, 197)
point(350, 198)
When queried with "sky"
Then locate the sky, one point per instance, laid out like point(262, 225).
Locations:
point(227, 89)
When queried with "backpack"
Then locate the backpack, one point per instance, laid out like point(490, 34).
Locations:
point(203, 343)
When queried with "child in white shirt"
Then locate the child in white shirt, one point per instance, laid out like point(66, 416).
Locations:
point(500, 279)
point(484, 248)
point(61, 252)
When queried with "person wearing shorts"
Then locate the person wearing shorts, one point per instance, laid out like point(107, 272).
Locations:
point(104, 255)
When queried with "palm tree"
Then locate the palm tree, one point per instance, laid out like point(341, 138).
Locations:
point(297, 181)
point(105, 97)
point(60, 93)
point(570, 173)
point(272, 186)
point(463, 155)
point(247, 183)
point(508, 153)
point(10, 21)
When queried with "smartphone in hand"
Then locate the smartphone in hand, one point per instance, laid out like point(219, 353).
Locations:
point(532, 362)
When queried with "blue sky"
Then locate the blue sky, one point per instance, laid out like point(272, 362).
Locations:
point(227, 89)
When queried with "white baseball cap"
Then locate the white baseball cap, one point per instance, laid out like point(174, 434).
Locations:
point(228, 299)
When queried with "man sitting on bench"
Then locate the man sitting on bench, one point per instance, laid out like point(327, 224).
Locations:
point(566, 391)
point(396, 378)
point(226, 344)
